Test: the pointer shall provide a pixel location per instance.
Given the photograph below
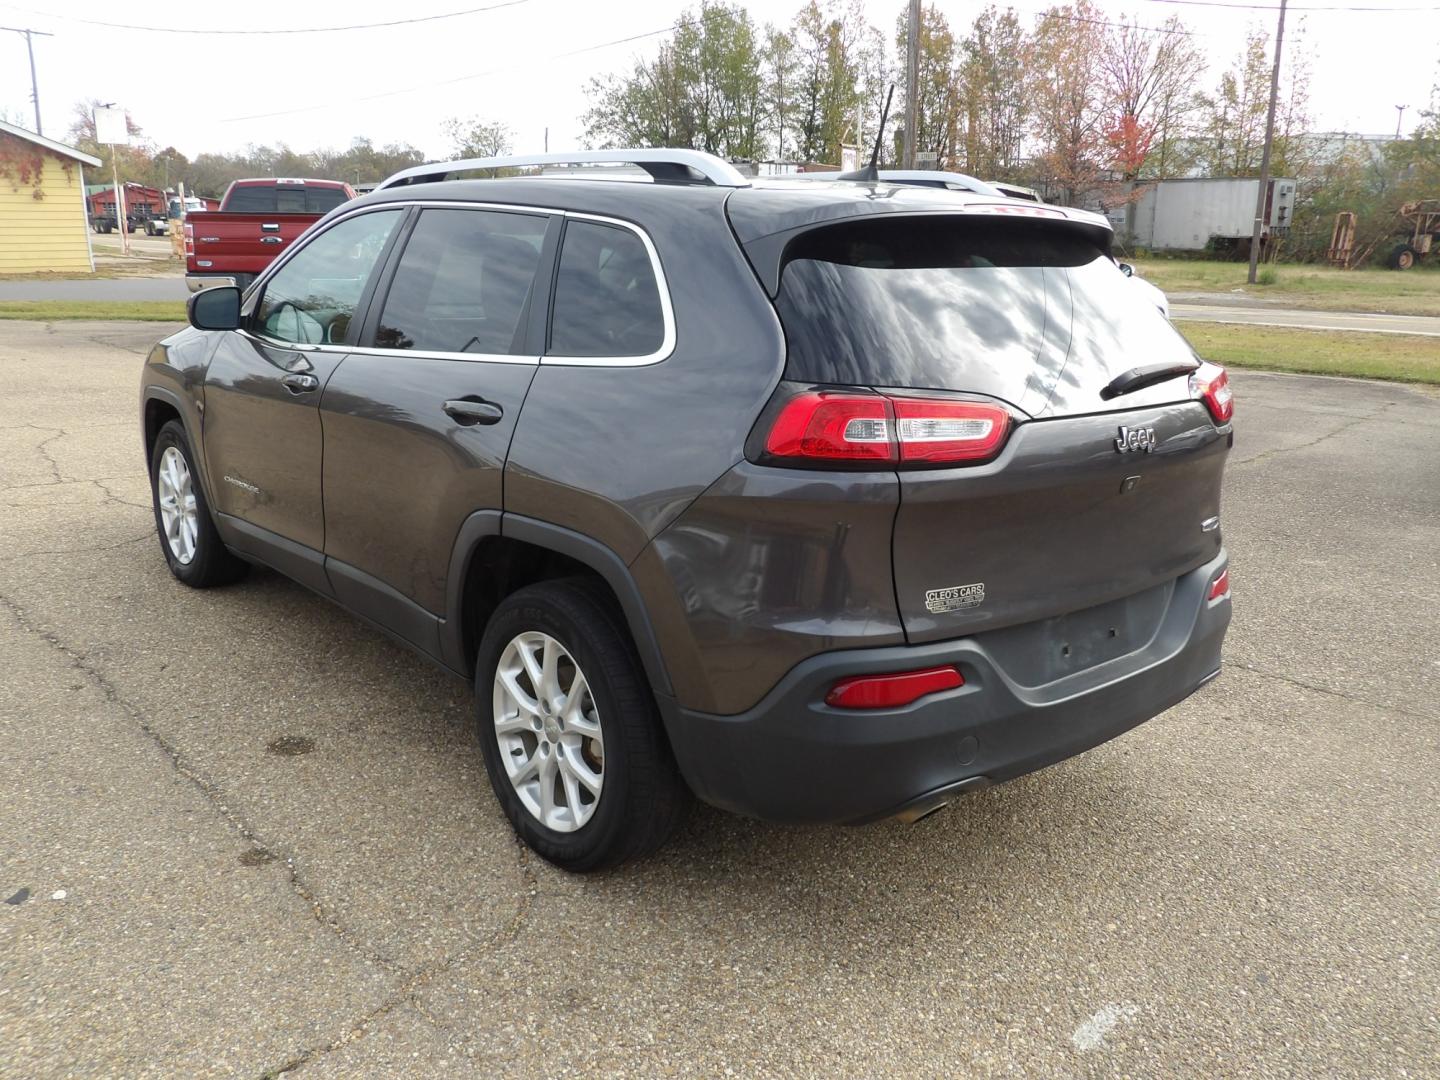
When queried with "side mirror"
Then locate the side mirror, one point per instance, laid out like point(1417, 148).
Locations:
point(216, 308)
point(1126, 269)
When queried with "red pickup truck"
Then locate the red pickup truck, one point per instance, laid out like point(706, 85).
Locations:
point(256, 221)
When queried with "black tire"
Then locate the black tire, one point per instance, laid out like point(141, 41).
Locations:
point(212, 562)
point(1402, 258)
point(643, 797)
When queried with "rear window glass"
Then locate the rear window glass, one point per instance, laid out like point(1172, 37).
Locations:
point(319, 200)
point(284, 199)
point(290, 199)
point(251, 200)
point(923, 302)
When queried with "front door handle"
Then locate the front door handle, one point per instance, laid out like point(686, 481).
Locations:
point(299, 384)
point(472, 410)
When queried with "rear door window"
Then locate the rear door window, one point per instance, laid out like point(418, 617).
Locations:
point(607, 301)
point(463, 283)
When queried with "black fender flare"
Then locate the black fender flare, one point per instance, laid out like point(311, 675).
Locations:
point(591, 553)
point(189, 415)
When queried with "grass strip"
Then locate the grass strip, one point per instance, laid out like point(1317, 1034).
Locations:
point(1394, 357)
point(113, 310)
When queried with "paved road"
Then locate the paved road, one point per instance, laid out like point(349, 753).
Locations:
point(1427, 325)
point(136, 288)
point(1246, 886)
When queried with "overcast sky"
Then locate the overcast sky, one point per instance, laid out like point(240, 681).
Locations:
point(527, 62)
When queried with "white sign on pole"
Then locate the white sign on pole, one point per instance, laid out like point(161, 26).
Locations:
point(110, 126)
point(849, 158)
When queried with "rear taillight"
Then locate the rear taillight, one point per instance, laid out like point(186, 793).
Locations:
point(1211, 384)
point(930, 430)
point(832, 426)
point(1221, 585)
point(892, 691)
point(835, 426)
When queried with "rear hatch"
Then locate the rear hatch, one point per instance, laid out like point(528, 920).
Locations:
point(1090, 499)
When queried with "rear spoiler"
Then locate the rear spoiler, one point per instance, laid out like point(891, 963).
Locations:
point(767, 253)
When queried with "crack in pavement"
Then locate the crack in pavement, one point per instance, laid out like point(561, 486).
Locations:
point(410, 990)
point(43, 445)
point(110, 496)
point(416, 981)
point(61, 483)
point(1316, 689)
point(146, 535)
point(211, 791)
point(1352, 423)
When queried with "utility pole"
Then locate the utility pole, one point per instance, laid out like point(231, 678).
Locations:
point(912, 79)
point(34, 83)
point(1400, 118)
point(1260, 196)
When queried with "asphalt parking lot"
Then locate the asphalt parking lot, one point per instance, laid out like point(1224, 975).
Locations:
point(1248, 885)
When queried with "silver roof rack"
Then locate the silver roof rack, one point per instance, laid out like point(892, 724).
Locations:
point(687, 166)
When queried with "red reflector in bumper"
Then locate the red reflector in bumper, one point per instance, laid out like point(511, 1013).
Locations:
point(1221, 585)
point(892, 691)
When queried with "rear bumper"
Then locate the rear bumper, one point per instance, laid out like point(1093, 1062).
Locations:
point(196, 282)
point(793, 758)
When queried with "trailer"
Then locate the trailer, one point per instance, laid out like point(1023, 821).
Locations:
point(1203, 213)
point(143, 205)
point(1423, 220)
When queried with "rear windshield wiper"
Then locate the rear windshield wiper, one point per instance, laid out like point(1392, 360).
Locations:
point(1138, 378)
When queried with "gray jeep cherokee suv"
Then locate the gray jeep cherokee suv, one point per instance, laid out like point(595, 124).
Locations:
point(823, 501)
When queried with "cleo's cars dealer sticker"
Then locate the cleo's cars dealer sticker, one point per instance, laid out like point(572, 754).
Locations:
point(955, 598)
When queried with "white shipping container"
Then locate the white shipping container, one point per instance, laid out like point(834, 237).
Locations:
point(1185, 215)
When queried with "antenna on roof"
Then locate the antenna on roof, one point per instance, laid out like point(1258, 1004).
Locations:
point(871, 172)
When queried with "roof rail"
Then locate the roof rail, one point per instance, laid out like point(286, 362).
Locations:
point(683, 166)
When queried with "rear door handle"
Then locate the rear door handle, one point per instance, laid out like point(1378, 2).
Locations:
point(469, 411)
point(299, 384)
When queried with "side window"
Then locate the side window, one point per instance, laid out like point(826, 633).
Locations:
point(312, 298)
point(462, 282)
point(607, 302)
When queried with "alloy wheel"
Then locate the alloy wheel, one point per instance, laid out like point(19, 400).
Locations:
point(179, 514)
point(548, 729)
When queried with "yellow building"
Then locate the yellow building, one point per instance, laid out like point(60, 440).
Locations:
point(43, 220)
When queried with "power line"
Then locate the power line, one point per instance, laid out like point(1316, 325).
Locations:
point(1123, 25)
point(442, 82)
point(1301, 7)
point(297, 30)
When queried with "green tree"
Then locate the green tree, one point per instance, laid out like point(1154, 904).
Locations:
point(1149, 83)
point(1232, 129)
point(1067, 88)
point(474, 137)
point(828, 46)
point(996, 57)
point(779, 73)
point(702, 90)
